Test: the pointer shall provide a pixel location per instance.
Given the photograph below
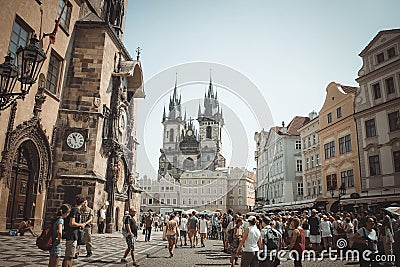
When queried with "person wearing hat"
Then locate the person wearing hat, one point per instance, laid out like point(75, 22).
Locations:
point(251, 243)
point(269, 236)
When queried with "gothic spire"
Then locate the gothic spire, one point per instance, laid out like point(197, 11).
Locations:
point(164, 115)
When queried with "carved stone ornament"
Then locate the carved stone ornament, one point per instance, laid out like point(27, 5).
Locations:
point(29, 130)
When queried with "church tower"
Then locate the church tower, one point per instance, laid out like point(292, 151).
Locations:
point(174, 127)
point(211, 122)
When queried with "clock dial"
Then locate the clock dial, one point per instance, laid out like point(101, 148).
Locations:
point(75, 140)
point(190, 133)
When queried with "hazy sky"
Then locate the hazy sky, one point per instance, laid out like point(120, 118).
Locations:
point(290, 50)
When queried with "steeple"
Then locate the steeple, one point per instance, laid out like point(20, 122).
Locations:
point(175, 103)
point(164, 115)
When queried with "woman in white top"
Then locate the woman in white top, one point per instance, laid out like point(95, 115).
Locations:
point(203, 225)
point(326, 232)
point(251, 243)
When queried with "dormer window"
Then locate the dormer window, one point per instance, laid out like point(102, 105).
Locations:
point(391, 52)
point(380, 58)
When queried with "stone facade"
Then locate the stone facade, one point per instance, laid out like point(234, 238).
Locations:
point(93, 98)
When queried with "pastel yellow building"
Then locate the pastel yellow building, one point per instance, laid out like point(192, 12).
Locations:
point(338, 145)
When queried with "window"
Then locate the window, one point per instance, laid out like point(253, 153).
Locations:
point(231, 201)
point(53, 73)
point(341, 145)
point(144, 201)
point(376, 88)
point(329, 117)
point(162, 201)
point(168, 201)
point(370, 128)
point(312, 162)
point(319, 187)
point(374, 167)
point(318, 160)
point(298, 144)
point(150, 201)
point(300, 189)
point(350, 178)
point(314, 187)
point(174, 201)
point(221, 202)
point(304, 143)
point(345, 144)
point(66, 15)
point(394, 121)
point(19, 37)
point(329, 150)
point(391, 52)
point(339, 112)
point(396, 159)
point(309, 188)
point(314, 139)
point(380, 58)
point(208, 132)
point(307, 163)
point(240, 202)
point(299, 165)
point(171, 135)
point(389, 85)
point(331, 181)
point(239, 191)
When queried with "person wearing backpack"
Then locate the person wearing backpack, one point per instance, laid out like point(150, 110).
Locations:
point(272, 240)
point(72, 225)
point(56, 234)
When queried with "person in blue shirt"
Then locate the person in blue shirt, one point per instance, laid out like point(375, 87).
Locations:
point(58, 226)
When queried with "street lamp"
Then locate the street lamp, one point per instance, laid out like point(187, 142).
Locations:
point(332, 189)
point(30, 62)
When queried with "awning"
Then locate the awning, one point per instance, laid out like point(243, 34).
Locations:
point(370, 199)
point(394, 210)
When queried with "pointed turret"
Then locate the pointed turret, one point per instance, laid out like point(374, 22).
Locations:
point(164, 115)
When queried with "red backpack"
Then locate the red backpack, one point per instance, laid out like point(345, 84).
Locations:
point(45, 240)
point(340, 228)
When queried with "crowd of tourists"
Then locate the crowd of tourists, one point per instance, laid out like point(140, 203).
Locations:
point(256, 238)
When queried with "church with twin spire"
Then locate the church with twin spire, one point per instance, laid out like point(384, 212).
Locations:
point(186, 148)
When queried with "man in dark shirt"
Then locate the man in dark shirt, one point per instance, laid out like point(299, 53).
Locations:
point(71, 227)
point(315, 233)
point(131, 228)
point(192, 229)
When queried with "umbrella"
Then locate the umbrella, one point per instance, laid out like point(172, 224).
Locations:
point(394, 210)
point(206, 212)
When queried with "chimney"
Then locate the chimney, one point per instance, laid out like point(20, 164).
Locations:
point(312, 115)
point(283, 129)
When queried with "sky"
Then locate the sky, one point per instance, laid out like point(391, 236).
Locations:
point(288, 50)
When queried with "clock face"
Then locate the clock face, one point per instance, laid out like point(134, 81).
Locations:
point(190, 133)
point(75, 140)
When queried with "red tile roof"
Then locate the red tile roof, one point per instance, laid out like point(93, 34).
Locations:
point(349, 89)
point(296, 123)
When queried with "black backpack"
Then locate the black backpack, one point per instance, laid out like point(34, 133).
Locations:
point(225, 222)
point(271, 240)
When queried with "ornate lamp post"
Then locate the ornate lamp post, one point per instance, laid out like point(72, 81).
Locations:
point(30, 62)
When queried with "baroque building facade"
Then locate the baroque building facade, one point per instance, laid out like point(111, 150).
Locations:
point(311, 158)
point(75, 132)
point(377, 109)
point(338, 145)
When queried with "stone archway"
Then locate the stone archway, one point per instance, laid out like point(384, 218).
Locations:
point(29, 139)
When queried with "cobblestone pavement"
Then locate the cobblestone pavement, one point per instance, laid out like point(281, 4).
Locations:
point(108, 249)
point(212, 255)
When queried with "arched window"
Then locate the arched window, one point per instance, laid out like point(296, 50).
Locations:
point(171, 135)
point(208, 132)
